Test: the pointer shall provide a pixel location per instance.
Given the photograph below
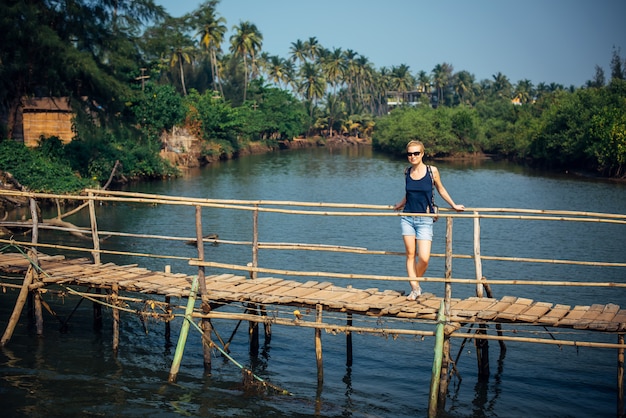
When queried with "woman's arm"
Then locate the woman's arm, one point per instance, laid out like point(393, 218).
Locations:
point(443, 192)
point(400, 205)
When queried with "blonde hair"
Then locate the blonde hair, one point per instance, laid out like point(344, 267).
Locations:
point(415, 142)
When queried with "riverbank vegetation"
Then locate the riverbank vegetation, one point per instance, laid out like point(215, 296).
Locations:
point(133, 73)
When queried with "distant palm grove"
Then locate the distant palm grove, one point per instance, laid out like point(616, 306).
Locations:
point(132, 72)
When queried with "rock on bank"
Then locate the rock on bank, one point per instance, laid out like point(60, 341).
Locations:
point(185, 150)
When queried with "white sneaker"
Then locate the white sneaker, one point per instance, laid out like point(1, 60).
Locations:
point(414, 294)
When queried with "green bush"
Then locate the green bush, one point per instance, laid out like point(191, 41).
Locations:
point(37, 171)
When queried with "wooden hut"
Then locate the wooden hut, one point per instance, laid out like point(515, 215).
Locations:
point(47, 116)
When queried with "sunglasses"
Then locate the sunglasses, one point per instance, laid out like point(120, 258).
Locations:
point(413, 154)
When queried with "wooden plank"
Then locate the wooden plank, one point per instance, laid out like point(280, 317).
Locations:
point(573, 316)
point(274, 295)
point(296, 293)
point(554, 315)
point(474, 310)
point(518, 307)
point(592, 313)
point(536, 311)
point(604, 321)
point(491, 313)
point(620, 319)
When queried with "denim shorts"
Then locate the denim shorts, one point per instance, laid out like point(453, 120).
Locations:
point(419, 226)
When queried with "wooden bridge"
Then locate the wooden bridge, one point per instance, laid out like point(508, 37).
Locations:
point(268, 299)
point(229, 288)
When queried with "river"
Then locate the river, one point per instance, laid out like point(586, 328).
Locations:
point(75, 373)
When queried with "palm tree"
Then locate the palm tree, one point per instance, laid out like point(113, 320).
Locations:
point(211, 30)
point(279, 70)
point(524, 91)
point(180, 54)
point(423, 82)
point(334, 111)
point(298, 51)
point(313, 84)
point(246, 42)
point(401, 80)
point(463, 85)
point(312, 48)
point(442, 74)
point(334, 67)
point(501, 85)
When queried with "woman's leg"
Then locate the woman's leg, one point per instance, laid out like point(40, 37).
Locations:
point(416, 266)
point(411, 264)
point(423, 256)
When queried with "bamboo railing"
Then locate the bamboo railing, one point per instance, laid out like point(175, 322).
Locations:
point(320, 210)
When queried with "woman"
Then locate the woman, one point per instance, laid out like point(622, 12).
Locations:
point(417, 231)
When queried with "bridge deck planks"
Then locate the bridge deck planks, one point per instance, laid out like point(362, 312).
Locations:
point(227, 288)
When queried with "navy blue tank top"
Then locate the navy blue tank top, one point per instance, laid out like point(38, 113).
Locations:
point(418, 193)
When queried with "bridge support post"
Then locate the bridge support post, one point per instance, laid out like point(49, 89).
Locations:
point(349, 342)
point(620, 378)
point(184, 331)
point(116, 317)
point(206, 308)
point(168, 331)
point(318, 347)
point(445, 364)
point(482, 353)
point(267, 326)
point(253, 332)
point(437, 361)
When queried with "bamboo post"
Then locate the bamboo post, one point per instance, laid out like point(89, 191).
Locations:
point(445, 365)
point(32, 254)
point(448, 264)
point(482, 353)
point(498, 325)
point(168, 329)
point(436, 373)
point(94, 230)
point(19, 304)
point(253, 332)
point(168, 269)
point(184, 331)
point(116, 317)
point(620, 377)
point(267, 326)
point(255, 240)
point(206, 308)
point(97, 308)
point(477, 260)
point(318, 346)
point(349, 343)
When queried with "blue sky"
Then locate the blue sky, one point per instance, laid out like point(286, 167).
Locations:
point(548, 41)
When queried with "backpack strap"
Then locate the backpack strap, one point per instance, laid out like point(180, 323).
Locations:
point(432, 196)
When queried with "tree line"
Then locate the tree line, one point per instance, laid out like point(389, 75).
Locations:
point(132, 72)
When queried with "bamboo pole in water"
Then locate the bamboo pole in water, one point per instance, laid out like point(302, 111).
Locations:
point(116, 317)
point(620, 377)
point(255, 242)
point(253, 332)
point(204, 297)
point(184, 331)
point(35, 261)
point(19, 305)
point(94, 230)
point(318, 346)
point(349, 342)
point(437, 360)
point(445, 365)
point(477, 260)
point(97, 308)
